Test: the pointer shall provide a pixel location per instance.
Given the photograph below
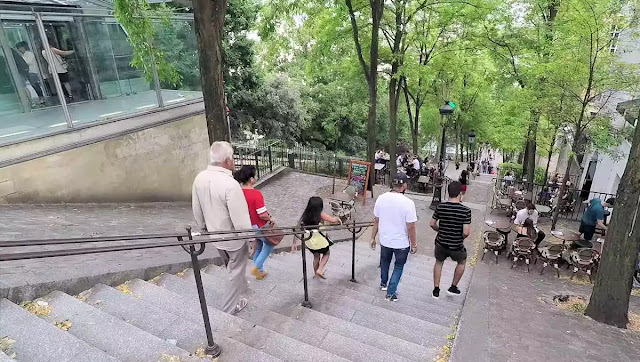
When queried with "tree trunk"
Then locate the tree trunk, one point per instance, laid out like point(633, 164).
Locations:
point(414, 134)
point(577, 148)
point(370, 74)
point(393, 119)
point(553, 143)
point(209, 26)
point(609, 301)
point(531, 163)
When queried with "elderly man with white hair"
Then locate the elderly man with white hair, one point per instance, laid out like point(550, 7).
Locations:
point(219, 205)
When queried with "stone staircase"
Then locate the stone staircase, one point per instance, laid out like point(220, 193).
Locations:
point(160, 319)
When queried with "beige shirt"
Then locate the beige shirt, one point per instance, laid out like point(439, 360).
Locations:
point(219, 204)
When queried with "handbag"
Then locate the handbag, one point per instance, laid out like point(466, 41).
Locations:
point(273, 237)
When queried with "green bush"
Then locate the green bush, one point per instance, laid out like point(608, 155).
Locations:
point(516, 170)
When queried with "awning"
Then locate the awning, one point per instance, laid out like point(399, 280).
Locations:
point(629, 110)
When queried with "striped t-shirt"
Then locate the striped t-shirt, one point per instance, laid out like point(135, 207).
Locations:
point(452, 217)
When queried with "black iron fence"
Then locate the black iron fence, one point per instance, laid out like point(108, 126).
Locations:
point(576, 200)
point(193, 243)
point(270, 157)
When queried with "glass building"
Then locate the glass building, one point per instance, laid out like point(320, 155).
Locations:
point(65, 65)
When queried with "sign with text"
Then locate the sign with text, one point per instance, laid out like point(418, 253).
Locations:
point(358, 177)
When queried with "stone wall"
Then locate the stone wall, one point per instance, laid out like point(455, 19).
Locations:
point(154, 164)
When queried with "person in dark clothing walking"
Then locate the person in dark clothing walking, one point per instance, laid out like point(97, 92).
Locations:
point(452, 221)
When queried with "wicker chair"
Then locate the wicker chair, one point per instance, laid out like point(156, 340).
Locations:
point(586, 260)
point(493, 241)
point(522, 249)
point(550, 254)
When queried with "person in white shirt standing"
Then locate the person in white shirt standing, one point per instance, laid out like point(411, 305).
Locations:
point(395, 221)
point(219, 205)
point(33, 73)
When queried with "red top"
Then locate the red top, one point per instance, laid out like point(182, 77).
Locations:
point(255, 202)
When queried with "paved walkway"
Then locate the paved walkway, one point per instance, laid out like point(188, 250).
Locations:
point(509, 316)
point(286, 198)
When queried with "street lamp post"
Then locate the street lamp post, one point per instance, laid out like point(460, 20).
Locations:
point(445, 110)
point(472, 139)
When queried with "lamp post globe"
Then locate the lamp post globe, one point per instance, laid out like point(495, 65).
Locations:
point(472, 140)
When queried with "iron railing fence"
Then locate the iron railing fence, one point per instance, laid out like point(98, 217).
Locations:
point(193, 243)
point(577, 200)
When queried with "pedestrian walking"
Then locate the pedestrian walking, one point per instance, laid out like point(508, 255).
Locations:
point(395, 222)
point(260, 248)
point(319, 243)
point(219, 205)
point(452, 221)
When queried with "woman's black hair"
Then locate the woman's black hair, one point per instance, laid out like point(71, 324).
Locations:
point(531, 231)
point(245, 173)
point(463, 177)
point(312, 214)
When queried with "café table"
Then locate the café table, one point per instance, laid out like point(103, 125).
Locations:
point(501, 226)
point(566, 236)
point(543, 210)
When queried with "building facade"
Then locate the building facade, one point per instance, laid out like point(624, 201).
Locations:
point(78, 123)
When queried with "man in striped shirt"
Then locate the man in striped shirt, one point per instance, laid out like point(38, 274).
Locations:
point(452, 221)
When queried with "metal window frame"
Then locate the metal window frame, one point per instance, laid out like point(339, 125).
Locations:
point(56, 79)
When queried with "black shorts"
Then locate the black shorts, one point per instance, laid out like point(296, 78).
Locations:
point(324, 250)
point(587, 230)
point(441, 253)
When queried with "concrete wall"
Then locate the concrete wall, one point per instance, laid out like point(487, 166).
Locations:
point(155, 164)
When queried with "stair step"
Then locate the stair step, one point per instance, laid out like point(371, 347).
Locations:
point(119, 339)
point(362, 334)
point(37, 340)
point(417, 271)
point(223, 325)
point(334, 304)
point(310, 334)
point(432, 312)
point(271, 342)
point(368, 284)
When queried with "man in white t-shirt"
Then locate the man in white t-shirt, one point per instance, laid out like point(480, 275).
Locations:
point(416, 164)
point(530, 212)
point(395, 220)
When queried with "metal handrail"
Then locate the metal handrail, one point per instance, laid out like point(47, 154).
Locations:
point(188, 244)
point(100, 239)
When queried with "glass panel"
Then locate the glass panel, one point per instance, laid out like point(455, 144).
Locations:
point(177, 40)
point(29, 105)
point(115, 88)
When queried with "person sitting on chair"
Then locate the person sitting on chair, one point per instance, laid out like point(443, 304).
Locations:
point(530, 213)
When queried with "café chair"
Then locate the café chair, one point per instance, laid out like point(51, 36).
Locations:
point(522, 249)
point(586, 260)
point(493, 241)
point(550, 254)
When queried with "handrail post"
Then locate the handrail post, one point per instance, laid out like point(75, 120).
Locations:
point(270, 160)
point(306, 303)
point(353, 253)
point(212, 348)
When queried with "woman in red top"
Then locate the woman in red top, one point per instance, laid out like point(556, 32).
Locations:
point(246, 176)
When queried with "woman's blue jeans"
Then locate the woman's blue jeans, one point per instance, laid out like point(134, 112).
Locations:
point(263, 249)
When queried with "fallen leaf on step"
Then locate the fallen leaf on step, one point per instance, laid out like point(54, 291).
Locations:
point(64, 325)
point(124, 288)
point(6, 346)
point(169, 358)
point(200, 353)
point(35, 307)
point(155, 279)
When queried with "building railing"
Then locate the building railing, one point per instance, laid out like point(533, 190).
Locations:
point(576, 199)
point(193, 243)
point(271, 156)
